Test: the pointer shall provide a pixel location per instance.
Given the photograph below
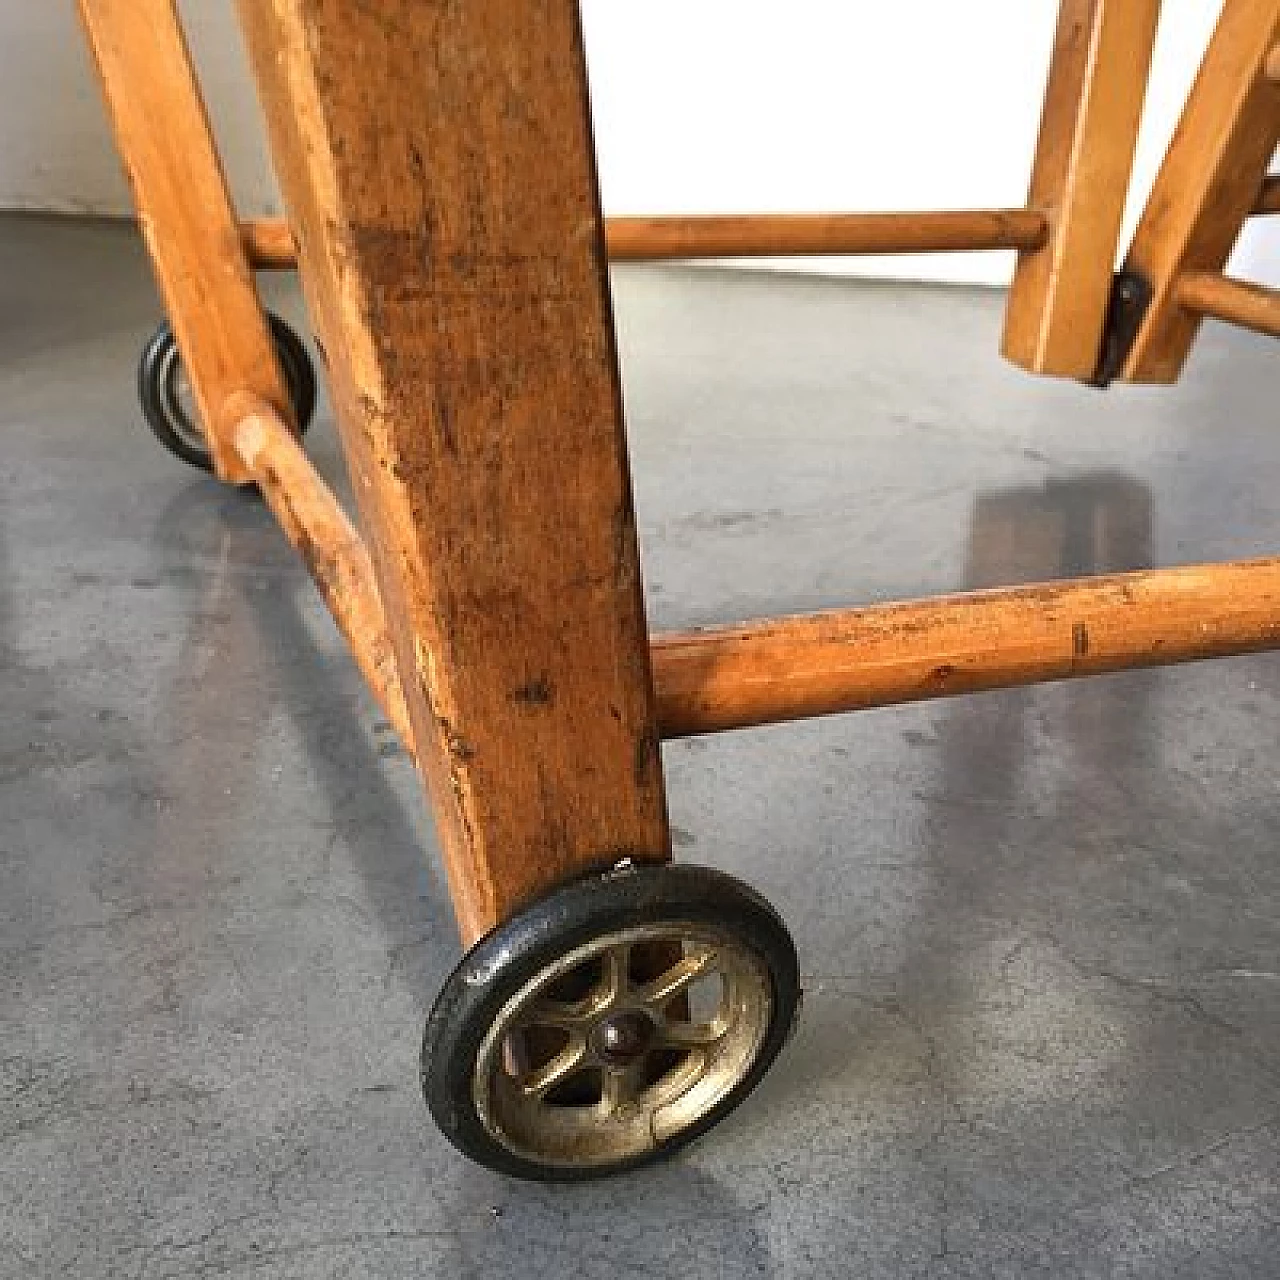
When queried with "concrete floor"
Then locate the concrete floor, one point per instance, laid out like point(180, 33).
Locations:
point(1040, 930)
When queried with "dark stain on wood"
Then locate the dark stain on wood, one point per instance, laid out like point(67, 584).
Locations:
point(536, 693)
point(1080, 641)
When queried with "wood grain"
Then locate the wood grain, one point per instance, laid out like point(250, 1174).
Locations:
point(335, 556)
point(1238, 302)
point(269, 243)
point(1084, 158)
point(788, 668)
point(836, 234)
point(1208, 184)
point(437, 164)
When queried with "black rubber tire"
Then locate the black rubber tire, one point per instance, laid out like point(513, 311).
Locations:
point(502, 962)
point(158, 370)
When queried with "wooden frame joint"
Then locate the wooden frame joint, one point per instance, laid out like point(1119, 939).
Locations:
point(1126, 309)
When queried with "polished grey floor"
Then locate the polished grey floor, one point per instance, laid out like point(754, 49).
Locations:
point(1040, 930)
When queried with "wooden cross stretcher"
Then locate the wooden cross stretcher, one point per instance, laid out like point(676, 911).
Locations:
point(437, 165)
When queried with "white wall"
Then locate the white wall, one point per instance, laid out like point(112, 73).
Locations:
point(701, 106)
point(55, 150)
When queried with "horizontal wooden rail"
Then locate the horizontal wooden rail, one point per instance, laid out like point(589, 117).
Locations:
point(820, 664)
point(269, 245)
point(791, 668)
point(834, 234)
point(1251, 306)
point(330, 547)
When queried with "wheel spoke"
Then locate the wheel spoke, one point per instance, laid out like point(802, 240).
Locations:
point(693, 1035)
point(680, 977)
point(616, 975)
point(537, 1084)
point(543, 1012)
point(621, 1085)
point(694, 1068)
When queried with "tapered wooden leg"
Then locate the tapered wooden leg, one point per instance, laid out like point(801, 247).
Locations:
point(1210, 181)
point(437, 162)
point(1088, 132)
point(185, 211)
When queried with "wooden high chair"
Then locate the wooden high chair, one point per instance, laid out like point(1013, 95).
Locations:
point(436, 161)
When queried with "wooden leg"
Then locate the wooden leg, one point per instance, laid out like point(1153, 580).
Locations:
point(1208, 185)
point(437, 163)
point(185, 211)
point(1089, 130)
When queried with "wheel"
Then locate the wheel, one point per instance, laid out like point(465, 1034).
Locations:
point(166, 398)
point(610, 1023)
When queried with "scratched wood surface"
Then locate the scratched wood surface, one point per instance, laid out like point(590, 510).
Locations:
point(437, 163)
point(847, 660)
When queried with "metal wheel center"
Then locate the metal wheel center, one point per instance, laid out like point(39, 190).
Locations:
point(623, 1038)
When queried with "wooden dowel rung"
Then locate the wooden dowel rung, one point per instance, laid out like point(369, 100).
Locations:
point(833, 234)
point(791, 668)
point(820, 664)
point(269, 243)
point(333, 551)
point(1251, 306)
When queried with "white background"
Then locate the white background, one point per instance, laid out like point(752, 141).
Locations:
point(701, 106)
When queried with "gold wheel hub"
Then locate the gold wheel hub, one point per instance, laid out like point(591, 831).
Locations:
point(624, 1038)
point(622, 1044)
